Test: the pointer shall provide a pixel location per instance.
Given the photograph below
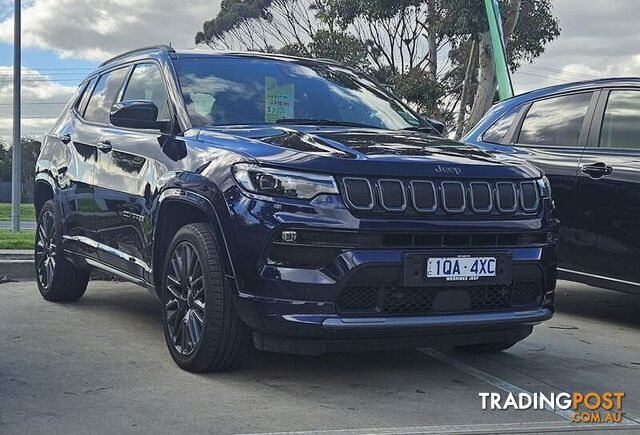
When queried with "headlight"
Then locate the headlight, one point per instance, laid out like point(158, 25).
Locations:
point(545, 187)
point(279, 182)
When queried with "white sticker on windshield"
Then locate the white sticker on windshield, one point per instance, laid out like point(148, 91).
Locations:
point(278, 100)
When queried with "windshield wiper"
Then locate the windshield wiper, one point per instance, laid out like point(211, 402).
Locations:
point(314, 121)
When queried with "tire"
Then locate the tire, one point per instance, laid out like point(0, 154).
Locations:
point(58, 279)
point(201, 327)
point(486, 347)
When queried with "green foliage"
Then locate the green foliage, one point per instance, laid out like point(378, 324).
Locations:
point(5, 161)
point(30, 152)
point(416, 87)
point(27, 212)
point(339, 46)
point(232, 13)
point(536, 27)
point(21, 240)
point(386, 38)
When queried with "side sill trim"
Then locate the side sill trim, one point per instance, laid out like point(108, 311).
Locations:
point(108, 249)
point(117, 272)
point(606, 278)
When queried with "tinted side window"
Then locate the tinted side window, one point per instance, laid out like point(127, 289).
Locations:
point(555, 121)
point(82, 102)
point(621, 122)
point(497, 132)
point(104, 95)
point(146, 84)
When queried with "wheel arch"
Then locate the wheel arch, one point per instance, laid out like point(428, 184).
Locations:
point(43, 191)
point(179, 207)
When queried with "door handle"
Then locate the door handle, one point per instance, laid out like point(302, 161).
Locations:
point(597, 170)
point(104, 146)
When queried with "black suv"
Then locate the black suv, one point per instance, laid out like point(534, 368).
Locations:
point(586, 137)
point(292, 202)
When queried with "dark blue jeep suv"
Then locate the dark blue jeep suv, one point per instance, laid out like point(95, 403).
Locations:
point(289, 202)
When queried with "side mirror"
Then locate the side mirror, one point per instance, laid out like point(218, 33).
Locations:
point(135, 114)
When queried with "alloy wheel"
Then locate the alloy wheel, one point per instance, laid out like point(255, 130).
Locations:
point(46, 249)
point(185, 299)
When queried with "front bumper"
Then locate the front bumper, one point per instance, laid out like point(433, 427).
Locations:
point(384, 333)
point(297, 309)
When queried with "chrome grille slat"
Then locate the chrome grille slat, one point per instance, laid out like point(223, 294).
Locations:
point(441, 197)
point(350, 195)
point(503, 206)
point(445, 202)
point(523, 201)
point(476, 184)
point(415, 186)
point(385, 197)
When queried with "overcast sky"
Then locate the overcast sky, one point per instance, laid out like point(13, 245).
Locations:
point(64, 39)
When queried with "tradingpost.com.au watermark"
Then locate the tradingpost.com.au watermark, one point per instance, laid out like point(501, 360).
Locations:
point(589, 407)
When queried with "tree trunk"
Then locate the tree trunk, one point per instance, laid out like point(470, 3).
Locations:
point(487, 76)
point(486, 82)
point(462, 114)
point(431, 40)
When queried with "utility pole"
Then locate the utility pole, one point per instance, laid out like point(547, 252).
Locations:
point(16, 180)
point(505, 87)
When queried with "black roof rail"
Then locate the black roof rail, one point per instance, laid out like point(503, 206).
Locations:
point(163, 47)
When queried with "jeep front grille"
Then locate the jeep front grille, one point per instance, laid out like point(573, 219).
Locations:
point(427, 197)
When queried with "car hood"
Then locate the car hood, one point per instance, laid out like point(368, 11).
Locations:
point(360, 151)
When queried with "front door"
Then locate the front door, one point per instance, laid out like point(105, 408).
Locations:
point(126, 174)
point(608, 190)
point(552, 134)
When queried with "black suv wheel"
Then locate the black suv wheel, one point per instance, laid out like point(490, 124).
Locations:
point(58, 279)
point(201, 327)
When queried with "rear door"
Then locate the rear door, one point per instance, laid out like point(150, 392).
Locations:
point(607, 220)
point(551, 133)
point(73, 166)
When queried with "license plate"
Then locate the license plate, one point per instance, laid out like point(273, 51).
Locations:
point(461, 268)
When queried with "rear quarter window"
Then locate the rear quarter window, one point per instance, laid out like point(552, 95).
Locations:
point(497, 133)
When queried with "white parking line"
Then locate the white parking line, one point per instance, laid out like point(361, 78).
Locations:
point(486, 377)
point(504, 428)
point(630, 422)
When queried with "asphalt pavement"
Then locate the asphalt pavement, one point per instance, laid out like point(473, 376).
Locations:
point(100, 365)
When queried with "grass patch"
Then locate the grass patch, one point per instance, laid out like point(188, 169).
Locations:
point(21, 240)
point(27, 212)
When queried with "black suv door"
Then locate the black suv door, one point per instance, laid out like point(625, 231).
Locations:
point(126, 175)
point(552, 134)
point(608, 191)
point(84, 134)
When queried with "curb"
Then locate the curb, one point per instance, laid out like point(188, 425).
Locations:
point(17, 265)
point(17, 269)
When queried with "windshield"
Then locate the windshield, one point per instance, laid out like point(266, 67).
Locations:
point(241, 90)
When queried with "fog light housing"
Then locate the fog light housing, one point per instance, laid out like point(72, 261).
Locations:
point(289, 236)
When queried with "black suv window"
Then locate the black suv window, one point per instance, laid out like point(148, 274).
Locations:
point(621, 123)
point(146, 84)
point(86, 93)
point(103, 96)
point(497, 132)
point(555, 121)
